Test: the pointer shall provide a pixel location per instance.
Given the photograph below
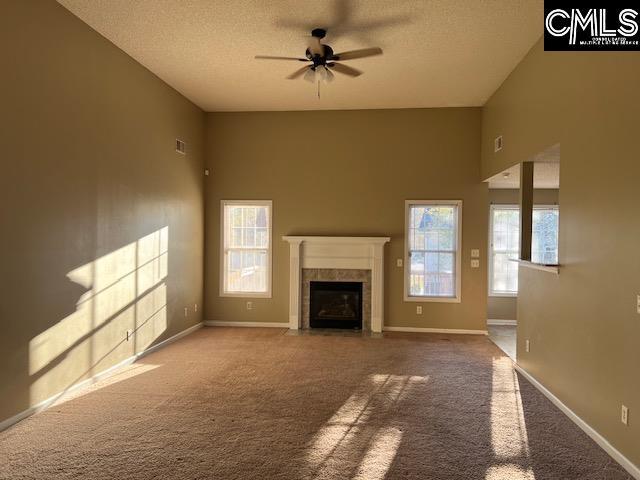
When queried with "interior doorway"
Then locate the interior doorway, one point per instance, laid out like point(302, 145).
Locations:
point(504, 256)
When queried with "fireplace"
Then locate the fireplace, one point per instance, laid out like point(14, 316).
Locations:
point(335, 305)
point(341, 259)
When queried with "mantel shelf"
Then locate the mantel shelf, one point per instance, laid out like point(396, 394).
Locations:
point(333, 240)
point(537, 266)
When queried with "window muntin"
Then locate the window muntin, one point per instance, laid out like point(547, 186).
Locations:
point(433, 251)
point(246, 252)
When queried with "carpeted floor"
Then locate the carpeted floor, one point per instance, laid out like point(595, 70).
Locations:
point(257, 404)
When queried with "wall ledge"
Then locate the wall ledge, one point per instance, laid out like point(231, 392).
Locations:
point(537, 266)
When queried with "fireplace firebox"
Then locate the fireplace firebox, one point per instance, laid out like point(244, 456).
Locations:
point(335, 305)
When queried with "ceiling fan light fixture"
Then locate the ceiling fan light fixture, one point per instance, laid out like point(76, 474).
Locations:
point(321, 73)
point(310, 75)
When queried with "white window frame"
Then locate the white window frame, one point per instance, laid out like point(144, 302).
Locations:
point(515, 207)
point(493, 207)
point(223, 248)
point(457, 298)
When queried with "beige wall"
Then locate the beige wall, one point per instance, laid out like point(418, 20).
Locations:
point(582, 323)
point(505, 308)
point(348, 173)
point(101, 219)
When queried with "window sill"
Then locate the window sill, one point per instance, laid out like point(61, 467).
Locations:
point(537, 266)
point(433, 299)
point(503, 295)
point(246, 294)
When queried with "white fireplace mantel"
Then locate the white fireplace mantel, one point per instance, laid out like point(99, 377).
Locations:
point(362, 253)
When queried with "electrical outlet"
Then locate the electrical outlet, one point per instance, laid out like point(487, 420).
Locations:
point(186, 311)
point(399, 264)
point(419, 309)
point(475, 263)
point(638, 304)
point(195, 307)
point(249, 305)
point(624, 415)
point(129, 334)
point(475, 253)
point(527, 346)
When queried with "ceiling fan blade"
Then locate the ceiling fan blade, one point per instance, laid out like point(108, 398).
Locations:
point(353, 54)
point(341, 68)
point(298, 73)
point(269, 57)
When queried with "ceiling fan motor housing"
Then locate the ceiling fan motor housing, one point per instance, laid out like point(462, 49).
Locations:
point(320, 59)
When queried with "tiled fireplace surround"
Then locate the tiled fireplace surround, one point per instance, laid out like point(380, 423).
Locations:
point(348, 259)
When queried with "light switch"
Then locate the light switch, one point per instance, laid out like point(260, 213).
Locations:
point(399, 262)
point(475, 253)
point(475, 263)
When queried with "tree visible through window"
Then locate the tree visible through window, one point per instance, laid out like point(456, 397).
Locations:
point(433, 249)
point(544, 236)
point(246, 248)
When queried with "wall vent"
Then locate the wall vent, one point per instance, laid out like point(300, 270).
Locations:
point(181, 147)
point(497, 144)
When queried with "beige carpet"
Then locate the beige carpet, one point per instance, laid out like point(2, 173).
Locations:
point(254, 403)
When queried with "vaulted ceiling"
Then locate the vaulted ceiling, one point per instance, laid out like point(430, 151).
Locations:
point(437, 53)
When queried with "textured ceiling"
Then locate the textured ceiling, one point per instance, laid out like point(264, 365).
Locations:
point(437, 53)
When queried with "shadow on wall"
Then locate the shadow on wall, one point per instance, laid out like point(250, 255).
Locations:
point(122, 311)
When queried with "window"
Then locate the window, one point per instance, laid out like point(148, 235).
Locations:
point(246, 249)
point(544, 235)
point(504, 244)
point(432, 258)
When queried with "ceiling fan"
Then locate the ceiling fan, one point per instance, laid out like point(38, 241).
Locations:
point(321, 61)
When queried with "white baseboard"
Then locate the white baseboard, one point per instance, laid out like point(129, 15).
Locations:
point(216, 323)
point(4, 424)
point(498, 321)
point(434, 330)
point(633, 470)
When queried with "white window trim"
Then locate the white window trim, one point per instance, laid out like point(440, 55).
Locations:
point(493, 207)
point(490, 256)
point(223, 257)
point(407, 265)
